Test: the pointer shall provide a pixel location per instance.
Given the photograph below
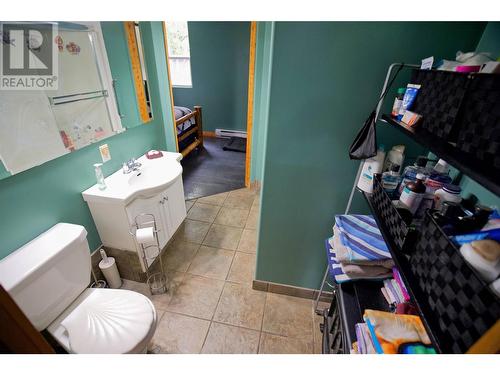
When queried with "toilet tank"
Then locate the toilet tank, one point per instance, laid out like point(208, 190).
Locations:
point(47, 274)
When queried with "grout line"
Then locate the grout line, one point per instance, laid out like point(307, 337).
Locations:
point(206, 336)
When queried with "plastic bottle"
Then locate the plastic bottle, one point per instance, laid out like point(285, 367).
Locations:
point(398, 101)
point(438, 177)
point(448, 193)
point(413, 193)
point(411, 171)
point(370, 167)
point(99, 176)
point(390, 181)
point(395, 157)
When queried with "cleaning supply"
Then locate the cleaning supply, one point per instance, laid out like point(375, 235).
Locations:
point(448, 193)
point(99, 176)
point(397, 333)
point(395, 157)
point(408, 99)
point(108, 267)
point(489, 270)
point(410, 172)
point(370, 167)
point(390, 181)
point(413, 193)
point(398, 101)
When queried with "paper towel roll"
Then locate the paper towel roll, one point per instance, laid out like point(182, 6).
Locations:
point(145, 235)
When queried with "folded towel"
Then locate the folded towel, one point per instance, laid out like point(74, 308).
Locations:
point(360, 235)
point(395, 333)
point(344, 254)
point(354, 270)
point(335, 268)
point(397, 277)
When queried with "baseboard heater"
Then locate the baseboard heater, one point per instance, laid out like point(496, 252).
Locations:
point(225, 133)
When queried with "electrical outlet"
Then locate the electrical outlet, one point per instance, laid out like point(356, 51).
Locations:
point(104, 150)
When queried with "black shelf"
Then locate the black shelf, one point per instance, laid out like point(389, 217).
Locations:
point(353, 298)
point(467, 164)
point(402, 263)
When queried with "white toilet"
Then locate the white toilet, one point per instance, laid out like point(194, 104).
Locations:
point(49, 278)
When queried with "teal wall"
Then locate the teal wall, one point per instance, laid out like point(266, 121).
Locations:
point(490, 40)
point(219, 69)
point(326, 77)
point(34, 200)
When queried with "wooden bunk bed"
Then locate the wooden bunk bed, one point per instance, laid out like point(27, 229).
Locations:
point(189, 129)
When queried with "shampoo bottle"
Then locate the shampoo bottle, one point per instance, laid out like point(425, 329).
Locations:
point(370, 167)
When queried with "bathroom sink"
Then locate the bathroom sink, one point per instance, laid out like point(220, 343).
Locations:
point(152, 177)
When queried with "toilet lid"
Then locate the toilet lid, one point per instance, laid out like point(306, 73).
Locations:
point(109, 321)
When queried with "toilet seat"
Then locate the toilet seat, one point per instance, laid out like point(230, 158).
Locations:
point(106, 321)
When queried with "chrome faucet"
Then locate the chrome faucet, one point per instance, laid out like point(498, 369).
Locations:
point(131, 165)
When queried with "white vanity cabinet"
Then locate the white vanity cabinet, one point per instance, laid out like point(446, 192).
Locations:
point(156, 188)
point(168, 210)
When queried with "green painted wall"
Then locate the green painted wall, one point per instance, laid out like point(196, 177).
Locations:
point(325, 79)
point(34, 200)
point(219, 68)
point(490, 40)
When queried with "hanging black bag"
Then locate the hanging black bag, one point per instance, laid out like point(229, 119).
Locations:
point(365, 143)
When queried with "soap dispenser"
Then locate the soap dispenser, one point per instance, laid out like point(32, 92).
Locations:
point(99, 176)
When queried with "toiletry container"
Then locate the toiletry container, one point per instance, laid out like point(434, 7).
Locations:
point(413, 193)
point(99, 176)
point(370, 167)
point(395, 157)
point(110, 271)
point(390, 181)
point(411, 171)
point(398, 101)
point(448, 193)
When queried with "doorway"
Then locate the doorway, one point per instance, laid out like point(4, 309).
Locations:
point(211, 66)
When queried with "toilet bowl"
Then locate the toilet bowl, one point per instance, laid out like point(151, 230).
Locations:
point(49, 277)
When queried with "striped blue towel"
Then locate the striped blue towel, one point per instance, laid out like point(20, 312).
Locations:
point(335, 268)
point(360, 234)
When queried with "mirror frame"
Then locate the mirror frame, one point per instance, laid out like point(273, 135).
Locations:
point(135, 62)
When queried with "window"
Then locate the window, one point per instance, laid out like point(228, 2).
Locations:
point(178, 54)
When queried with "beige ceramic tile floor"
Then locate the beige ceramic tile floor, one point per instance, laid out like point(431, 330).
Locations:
point(210, 306)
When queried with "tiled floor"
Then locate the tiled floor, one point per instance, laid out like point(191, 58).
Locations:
point(210, 306)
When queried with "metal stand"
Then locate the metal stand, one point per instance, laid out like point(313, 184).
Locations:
point(360, 168)
point(157, 281)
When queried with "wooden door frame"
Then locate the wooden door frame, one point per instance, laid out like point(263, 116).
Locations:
point(250, 94)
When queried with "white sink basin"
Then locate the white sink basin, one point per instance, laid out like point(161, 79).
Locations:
point(152, 177)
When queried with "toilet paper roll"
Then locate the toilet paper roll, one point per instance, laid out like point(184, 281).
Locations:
point(145, 236)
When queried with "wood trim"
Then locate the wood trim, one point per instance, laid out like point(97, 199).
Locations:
point(188, 133)
point(489, 343)
point(251, 83)
point(209, 134)
point(185, 118)
point(135, 62)
point(199, 123)
point(190, 148)
point(165, 42)
point(17, 334)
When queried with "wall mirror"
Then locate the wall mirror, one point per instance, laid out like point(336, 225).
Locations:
point(39, 125)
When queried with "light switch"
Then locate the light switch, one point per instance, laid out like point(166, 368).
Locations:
point(104, 150)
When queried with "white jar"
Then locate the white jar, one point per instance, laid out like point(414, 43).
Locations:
point(448, 193)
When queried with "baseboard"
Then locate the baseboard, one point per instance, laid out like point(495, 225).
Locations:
point(290, 290)
point(209, 134)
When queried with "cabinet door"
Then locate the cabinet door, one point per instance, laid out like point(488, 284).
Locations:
point(176, 204)
point(154, 206)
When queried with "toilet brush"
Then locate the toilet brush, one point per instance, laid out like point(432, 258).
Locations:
point(97, 283)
